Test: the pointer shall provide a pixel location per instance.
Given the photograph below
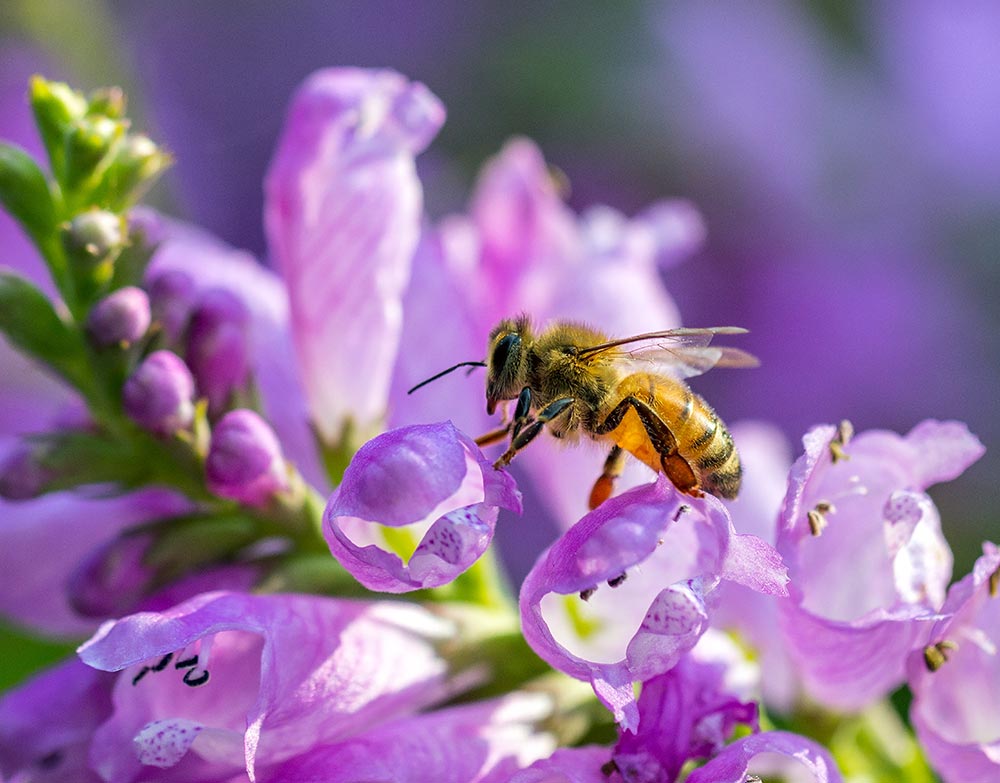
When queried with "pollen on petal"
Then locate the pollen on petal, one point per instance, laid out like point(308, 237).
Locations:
point(163, 743)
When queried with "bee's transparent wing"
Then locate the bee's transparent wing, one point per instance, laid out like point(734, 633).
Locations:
point(681, 353)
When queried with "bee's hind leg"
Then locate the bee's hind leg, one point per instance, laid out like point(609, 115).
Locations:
point(605, 483)
point(526, 432)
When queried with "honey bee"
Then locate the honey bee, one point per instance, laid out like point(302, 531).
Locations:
point(629, 392)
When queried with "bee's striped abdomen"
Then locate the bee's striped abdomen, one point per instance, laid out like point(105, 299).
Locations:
point(702, 439)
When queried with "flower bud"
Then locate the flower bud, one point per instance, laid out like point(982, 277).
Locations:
point(244, 459)
point(56, 106)
point(120, 318)
point(94, 238)
point(112, 579)
point(217, 346)
point(159, 394)
point(171, 298)
point(89, 143)
point(137, 162)
point(107, 102)
point(22, 477)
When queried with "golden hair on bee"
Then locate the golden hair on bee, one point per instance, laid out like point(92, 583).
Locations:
point(628, 392)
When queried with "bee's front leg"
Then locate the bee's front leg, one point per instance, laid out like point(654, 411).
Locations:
point(522, 435)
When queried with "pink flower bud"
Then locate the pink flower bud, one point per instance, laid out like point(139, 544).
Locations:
point(21, 477)
point(244, 459)
point(171, 297)
point(120, 318)
point(217, 345)
point(160, 392)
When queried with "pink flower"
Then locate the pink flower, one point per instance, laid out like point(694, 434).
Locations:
point(431, 477)
point(867, 587)
point(956, 679)
point(47, 723)
point(343, 217)
point(674, 550)
point(227, 681)
point(484, 742)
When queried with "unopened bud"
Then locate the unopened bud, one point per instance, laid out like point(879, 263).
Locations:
point(94, 238)
point(121, 318)
point(159, 394)
point(89, 144)
point(137, 162)
point(56, 106)
point(22, 477)
point(113, 579)
point(171, 298)
point(107, 102)
point(244, 459)
point(217, 346)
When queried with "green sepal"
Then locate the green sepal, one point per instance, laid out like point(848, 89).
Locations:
point(31, 323)
point(25, 193)
point(56, 106)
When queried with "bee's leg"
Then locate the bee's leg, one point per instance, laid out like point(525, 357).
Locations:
point(514, 426)
point(676, 468)
point(493, 436)
point(604, 485)
point(527, 433)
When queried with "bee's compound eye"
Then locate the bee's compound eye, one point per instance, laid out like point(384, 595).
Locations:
point(502, 351)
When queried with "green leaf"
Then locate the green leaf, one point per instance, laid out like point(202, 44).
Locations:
point(31, 323)
point(25, 194)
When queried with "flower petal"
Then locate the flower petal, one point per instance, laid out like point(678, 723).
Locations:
point(486, 741)
point(343, 218)
point(643, 626)
point(274, 674)
point(47, 723)
point(868, 586)
point(954, 709)
point(429, 474)
point(733, 763)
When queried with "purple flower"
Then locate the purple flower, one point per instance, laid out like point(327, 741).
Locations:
point(171, 298)
point(867, 586)
point(244, 460)
point(228, 681)
point(217, 346)
point(684, 714)
point(568, 765)
point(38, 573)
point(47, 723)
point(120, 318)
point(343, 218)
point(766, 458)
point(955, 679)
point(485, 742)
point(781, 753)
point(22, 476)
point(429, 476)
point(159, 395)
point(664, 553)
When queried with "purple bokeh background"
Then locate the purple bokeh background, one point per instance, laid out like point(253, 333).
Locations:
point(844, 157)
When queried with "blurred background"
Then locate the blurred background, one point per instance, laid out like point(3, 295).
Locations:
point(845, 156)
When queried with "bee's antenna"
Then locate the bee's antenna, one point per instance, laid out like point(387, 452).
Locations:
point(445, 372)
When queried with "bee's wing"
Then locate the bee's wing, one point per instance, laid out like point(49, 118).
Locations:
point(681, 353)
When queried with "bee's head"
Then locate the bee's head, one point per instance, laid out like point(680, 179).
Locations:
point(507, 361)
